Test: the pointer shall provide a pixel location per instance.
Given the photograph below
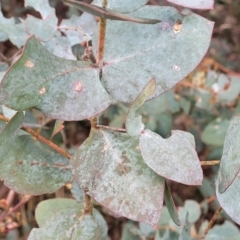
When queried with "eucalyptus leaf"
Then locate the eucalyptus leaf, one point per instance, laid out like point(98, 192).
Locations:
point(4, 24)
point(60, 46)
point(192, 208)
point(110, 166)
point(68, 224)
point(10, 30)
point(8, 134)
point(58, 126)
point(159, 51)
point(215, 132)
point(230, 161)
point(41, 6)
point(127, 232)
point(44, 29)
point(79, 29)
point(48, 208)
point(198, 4)
point(185, 234)
point(134, 124)
point(229, 200)
point(173, 158)
point(230, 94)
point(58, 87)
point(77, 192)
point(32, 167)
point(17, 34)
point(171, 205)
point(227, 230)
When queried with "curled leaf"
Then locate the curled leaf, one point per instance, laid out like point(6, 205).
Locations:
point(134, 124)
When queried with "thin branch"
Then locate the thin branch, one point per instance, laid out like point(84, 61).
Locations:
point(101, 37)
point(210, 224)
point(25, 199)
point(210, 163)
point(111, 128)
point(41, 138)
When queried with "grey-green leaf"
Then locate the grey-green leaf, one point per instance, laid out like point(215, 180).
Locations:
point(41, 6)
point(171, 205)
point(9, 133)
point(79, 29)
point(198, 4)
point(68, 225)
point(185, 234)
point(230, 161)
point(134, 125)
point(52, 209)
point(110, 166)
point(32, 167)
point(44, 29)
point(227, 230)
point(174, 158)
point(48, 208)
point(215, 132)
point(58, 87)
point(229, 200)
point(158, 52)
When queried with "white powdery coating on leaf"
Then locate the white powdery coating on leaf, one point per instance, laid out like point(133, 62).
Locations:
point(174, 158)
point(111, 167)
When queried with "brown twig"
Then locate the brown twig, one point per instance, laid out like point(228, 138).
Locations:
point(40, 138)
point(101, 37)
point(25, 199)
point(111, 128)
point(210, 163)
point(211, 222)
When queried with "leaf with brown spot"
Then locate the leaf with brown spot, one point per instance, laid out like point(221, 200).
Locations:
point(58, 87)
point(32, 167)
point(117, 177)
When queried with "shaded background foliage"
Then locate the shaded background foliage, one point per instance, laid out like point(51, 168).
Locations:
point(203, 104)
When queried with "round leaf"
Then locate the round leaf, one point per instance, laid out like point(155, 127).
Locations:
point(62, 89)
point(198, 4)
point(110, 166)
point(68, 225)
point(46, 209)
point(230, 161)
point(229, 200)
point(174, 158)
point(32, 167)
point(8, 135)
point(160, 51)
point(215, 132)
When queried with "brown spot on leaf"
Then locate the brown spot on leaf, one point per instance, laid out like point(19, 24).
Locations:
point(29, 64)
point(43, 90)
point(177, 27)
point(77, 86)
point(175, 67)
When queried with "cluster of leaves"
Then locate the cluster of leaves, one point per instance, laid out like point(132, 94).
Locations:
point(166, 229)
point(124, 172)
